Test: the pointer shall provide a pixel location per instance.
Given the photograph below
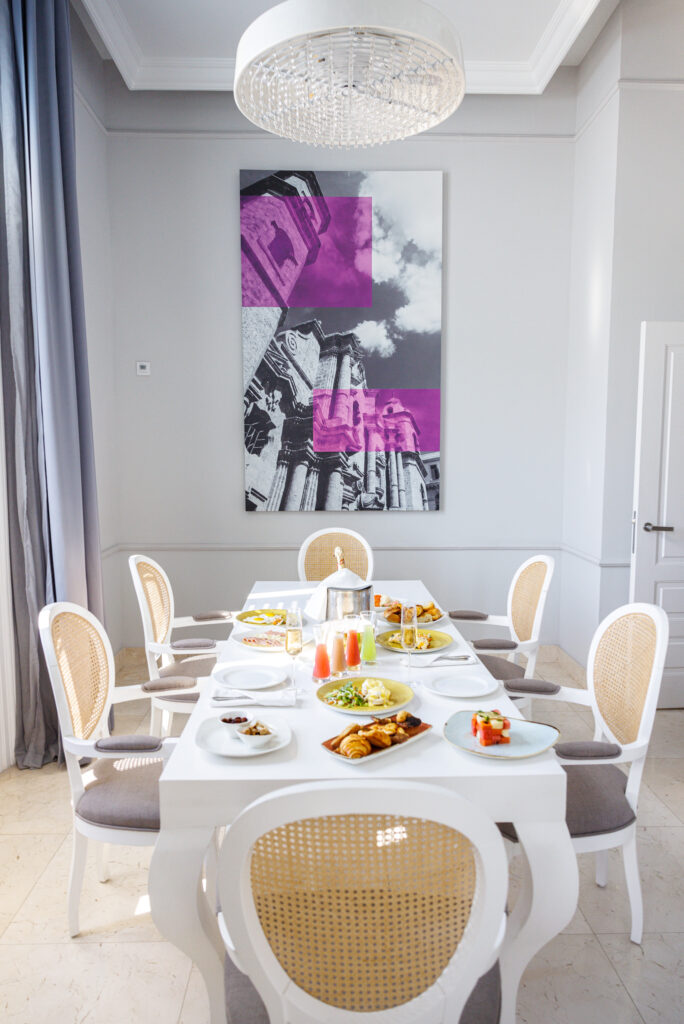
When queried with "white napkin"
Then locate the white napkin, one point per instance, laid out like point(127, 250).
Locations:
point(443, 658)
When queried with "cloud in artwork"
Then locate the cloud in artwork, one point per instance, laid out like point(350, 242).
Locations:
point(407, 244)
point(374, 337)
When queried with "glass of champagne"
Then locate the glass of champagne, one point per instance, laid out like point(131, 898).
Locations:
point(293, 636)
point(409, 630)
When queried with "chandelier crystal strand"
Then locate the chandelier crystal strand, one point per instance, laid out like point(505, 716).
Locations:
point(348, 73)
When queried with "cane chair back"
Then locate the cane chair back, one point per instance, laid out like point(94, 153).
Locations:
point(527, 597)
point(80, 648)
point(155, 598)
point(363, 910)
point(622, 669)
point(317, 554)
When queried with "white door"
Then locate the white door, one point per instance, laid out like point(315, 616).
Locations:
point(657, 565)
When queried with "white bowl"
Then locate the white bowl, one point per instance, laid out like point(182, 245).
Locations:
point(256, 741)
point(233, 727)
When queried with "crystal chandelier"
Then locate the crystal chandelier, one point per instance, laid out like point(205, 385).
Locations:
point(347, 73)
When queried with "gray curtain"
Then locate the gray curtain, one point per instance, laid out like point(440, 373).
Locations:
point(54, 529)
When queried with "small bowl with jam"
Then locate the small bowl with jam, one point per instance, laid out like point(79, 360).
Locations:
point(236, 720)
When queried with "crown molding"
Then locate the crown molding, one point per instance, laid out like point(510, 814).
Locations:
point(217, 74)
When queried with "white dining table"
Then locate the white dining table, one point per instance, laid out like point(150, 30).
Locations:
point(200, 792)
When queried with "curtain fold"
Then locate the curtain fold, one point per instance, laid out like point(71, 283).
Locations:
point(54, 528)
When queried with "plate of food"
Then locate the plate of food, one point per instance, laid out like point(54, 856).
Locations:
point(491, 734)
point(427, 614)
point(270, 640)
point(364, 741)
point(429, 641)
point(365, 696)
point(463, 686)
point(261, 736)
point(257, 618)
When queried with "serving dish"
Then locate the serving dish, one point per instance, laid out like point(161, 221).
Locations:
point(438, 641)
point(401, 695)
point(213, 737)
point(528, 739)
point(268, 641)
point(370, 733)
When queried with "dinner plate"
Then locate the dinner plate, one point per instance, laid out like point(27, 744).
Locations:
point(245, 676)
point(271, 617)
point(213, 737)
point(249, 641)
point(423, 730)
point(402, 695)
point(461, 685)
point(438, 642)
point(527, 738)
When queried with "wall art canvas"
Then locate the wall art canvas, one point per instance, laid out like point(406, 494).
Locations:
point(341, 331)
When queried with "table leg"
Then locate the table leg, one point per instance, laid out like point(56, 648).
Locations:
point(181, 911)
point(546, 903)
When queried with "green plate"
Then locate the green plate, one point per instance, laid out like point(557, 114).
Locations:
point(272, 615)
point(401, 695)
point(438, 640)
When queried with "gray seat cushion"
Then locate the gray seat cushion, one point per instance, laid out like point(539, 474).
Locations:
point(168, 683)
point(492, 644)
point(206, 616)
point(588, 748)
point(123, 794)
point(467, 613)
point(500, 668)
point(129, 743)
point(538, 686)
point(244, 1004)
point(195, 643)
point(596, 801)
point(193, 668)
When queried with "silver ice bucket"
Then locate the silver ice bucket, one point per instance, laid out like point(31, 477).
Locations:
point(340, 601)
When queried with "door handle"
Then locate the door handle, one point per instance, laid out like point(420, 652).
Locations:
point(650, 528)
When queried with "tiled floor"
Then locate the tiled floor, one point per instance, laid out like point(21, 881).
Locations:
point(119, 969)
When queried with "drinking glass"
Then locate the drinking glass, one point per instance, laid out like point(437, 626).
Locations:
point(409, 630)
point(321, 669)
point(368, 649)
point(353, 653)
point(293, 637)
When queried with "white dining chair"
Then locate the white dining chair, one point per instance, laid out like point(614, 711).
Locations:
point(378, 901)
point(317, 559)
point(116, 799)
point(523, 619)
point(624, 673)
point(172, 685)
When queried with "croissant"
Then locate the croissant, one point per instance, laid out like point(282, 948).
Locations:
point(377, 737)
point(355, 746)
point(354, 727)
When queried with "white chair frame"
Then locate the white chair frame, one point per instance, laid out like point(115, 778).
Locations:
point(162, 710)
point(247, 945)
point(633, 754)
point(301, 558)
point(76, 748)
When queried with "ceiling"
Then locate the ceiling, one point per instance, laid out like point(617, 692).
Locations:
point(509, 46)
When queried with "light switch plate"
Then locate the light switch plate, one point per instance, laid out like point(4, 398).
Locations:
point(143, 368)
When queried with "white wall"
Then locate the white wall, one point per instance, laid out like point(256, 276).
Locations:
point(173, 177)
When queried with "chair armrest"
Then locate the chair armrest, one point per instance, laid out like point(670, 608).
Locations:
point(495, 644)
point(156, 648)
point(565, 693)
point(582, 750)
point(531, 687)
point(630, 752)
point(139, 744)
point(204, 619)
point(89, 748)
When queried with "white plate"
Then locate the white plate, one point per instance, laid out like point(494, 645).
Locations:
point(213, 737)
point(527, 738)
point(245, 676)
point(463, 686)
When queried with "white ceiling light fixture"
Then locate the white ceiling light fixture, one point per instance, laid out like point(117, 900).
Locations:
point(348, 73)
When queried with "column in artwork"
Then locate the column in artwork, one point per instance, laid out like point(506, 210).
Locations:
point(278, 486)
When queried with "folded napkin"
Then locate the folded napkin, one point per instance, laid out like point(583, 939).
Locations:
point(194, 644)
point(222, 697)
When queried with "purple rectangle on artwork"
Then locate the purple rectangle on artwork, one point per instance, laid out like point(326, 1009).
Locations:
point(304, 251)
point(376, 419)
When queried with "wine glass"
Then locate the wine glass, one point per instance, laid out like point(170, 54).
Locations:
point(409, 630)
point(293, 636)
